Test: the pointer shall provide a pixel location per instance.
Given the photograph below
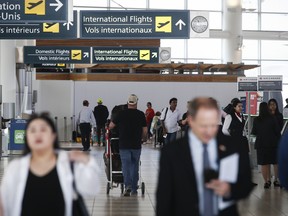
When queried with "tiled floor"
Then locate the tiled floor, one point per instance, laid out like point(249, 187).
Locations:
point(272, 202)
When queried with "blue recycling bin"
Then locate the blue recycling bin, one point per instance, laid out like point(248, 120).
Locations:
point(17, 134)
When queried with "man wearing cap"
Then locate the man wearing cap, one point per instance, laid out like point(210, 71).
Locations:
point(85, 119)
point(101, 114)
point(132, 131)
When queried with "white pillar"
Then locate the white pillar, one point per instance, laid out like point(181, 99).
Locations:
point(8, 70)
point(232, 23)
point(8, 78)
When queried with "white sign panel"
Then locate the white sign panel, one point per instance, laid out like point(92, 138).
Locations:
point(199, 24)
point(164, 55)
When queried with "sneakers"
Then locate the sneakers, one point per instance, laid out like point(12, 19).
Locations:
point(85, 150)
point(127, 192)
point(276, 183)
point(134, 193)
point(267, 185)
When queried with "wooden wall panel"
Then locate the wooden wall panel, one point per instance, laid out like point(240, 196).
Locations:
point(49, 76)
point(82, 42)
point(137, 77)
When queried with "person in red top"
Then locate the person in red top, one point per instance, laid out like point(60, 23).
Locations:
point(149, 114)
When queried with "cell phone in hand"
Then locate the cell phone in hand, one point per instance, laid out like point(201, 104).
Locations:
point(210, 174)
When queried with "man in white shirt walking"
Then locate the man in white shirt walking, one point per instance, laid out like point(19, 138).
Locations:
point(170, 118)
point(85, 119)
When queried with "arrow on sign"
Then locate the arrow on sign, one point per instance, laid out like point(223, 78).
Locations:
point(86, 54)
point(154, 54)
point(58, 5)
point(68, 25)
point(180, 23)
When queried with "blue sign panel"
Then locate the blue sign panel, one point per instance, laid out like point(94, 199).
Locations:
point(135, 24)
point(247, 84)
point(126, 55)
point(270, 83)
point(35, 10)
point(17, 134)
point(44, 30)
point(61, 55)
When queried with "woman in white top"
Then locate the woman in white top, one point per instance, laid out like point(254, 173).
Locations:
point(40, 182)
point(234, 124)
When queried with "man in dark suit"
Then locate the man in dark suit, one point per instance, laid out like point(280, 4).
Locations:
point(183, 186)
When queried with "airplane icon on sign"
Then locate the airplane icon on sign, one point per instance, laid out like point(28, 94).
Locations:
point(145, 54)
point(160, 25)
point(48, 25)
point(33, 5)
point(76, 54)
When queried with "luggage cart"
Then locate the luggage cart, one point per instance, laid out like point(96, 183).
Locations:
point(114, 167)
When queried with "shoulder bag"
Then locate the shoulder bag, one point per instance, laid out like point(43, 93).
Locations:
point(79, 207)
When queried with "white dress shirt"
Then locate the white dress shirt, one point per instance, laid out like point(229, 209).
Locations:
point(86, 116)
point(172, 118)
point(196, 148)
point(227, 122)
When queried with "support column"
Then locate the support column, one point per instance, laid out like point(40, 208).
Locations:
point(8, 70)
point(232, 23)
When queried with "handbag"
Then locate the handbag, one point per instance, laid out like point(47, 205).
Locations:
point(78, 205)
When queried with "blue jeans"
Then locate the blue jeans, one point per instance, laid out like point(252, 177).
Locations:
point(170, 137)
point(130, 167)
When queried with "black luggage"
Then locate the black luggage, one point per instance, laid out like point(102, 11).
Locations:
point(75, 135)
point(116, 163)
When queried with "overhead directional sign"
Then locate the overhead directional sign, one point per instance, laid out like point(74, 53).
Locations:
point(247, 84)
point(36, 11)
point(44, 30)
point(62, 55)
point(128, 55)
point(135, 24)
point(270, 83)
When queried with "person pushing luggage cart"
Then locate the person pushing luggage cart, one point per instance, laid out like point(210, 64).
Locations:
point(132, 132)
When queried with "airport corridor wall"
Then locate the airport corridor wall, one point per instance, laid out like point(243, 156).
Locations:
point(158, 93)
point(56, 97)
point(64, 98)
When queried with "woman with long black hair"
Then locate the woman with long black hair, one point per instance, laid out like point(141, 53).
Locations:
point(274, 110)
point(41, 182)
point(267, 131)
